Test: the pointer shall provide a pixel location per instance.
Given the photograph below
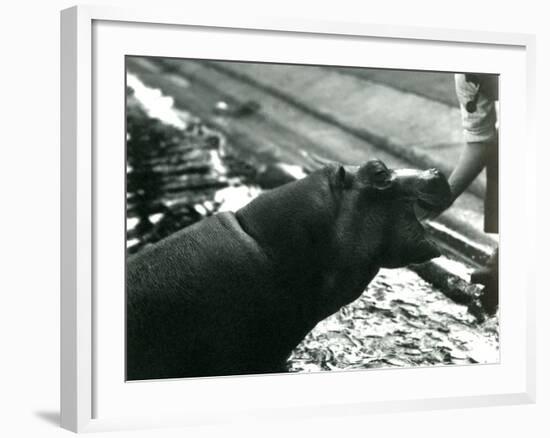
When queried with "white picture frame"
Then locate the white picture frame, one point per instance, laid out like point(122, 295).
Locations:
point(92, 42)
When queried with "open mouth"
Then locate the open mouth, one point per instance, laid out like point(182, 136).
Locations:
point(430, 206)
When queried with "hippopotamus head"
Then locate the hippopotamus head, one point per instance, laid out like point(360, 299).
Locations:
point(377, 203)
point(332, 231)
point(345, 214)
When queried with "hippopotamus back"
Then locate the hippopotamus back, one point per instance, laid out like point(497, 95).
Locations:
point(220, 307)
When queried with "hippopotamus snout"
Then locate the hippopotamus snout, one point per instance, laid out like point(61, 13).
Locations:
point(429, 187)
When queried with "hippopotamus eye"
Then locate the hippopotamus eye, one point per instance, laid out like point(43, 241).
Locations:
point(380, 176)
point(375, 174)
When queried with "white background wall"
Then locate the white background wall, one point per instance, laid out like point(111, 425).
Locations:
point(29, 218)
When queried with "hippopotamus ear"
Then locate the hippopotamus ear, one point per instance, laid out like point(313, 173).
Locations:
point(374, 173)
point(343, 177)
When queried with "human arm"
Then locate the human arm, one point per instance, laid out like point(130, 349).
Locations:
point(470, 164)
point(478, 113)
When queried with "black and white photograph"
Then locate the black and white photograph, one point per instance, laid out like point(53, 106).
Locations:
point(275, 219)
point(287, 218)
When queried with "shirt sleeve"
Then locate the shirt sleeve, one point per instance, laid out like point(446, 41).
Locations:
point(479, 124)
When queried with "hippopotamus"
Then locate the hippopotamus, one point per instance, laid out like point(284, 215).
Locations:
point(235, 293)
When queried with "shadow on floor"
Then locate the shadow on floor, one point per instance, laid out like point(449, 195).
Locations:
point(52, 417)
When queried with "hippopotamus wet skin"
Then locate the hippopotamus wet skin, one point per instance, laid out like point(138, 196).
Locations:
point(235, 293)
